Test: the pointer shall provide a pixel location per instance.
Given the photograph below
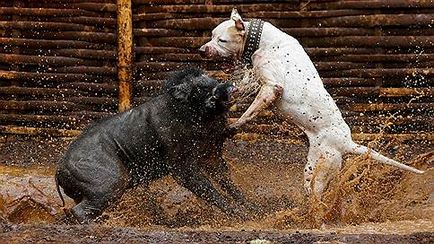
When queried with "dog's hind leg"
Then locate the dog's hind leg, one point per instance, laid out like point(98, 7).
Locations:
point(323, 165)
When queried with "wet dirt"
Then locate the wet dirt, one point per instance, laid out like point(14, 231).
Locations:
point(367, 202)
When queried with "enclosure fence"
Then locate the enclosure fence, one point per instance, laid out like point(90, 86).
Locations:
point(64, 64)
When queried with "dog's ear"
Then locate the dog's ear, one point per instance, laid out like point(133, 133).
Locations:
point(181, 92)
point(235, 16)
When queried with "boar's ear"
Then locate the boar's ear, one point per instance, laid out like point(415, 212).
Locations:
point(235, 16)
point(181, 92)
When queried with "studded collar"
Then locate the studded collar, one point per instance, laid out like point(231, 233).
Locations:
point(251, 44)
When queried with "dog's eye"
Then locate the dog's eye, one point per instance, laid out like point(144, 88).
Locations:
point(221, 40)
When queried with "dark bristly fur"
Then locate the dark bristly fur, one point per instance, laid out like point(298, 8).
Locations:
point(180, 132)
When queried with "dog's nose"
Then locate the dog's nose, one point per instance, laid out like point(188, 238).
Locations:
point(202, 51)
point(205, 51)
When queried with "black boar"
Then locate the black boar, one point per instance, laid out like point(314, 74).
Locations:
point(178, 133)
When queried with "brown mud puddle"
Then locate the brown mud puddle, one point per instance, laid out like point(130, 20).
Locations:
point(368, 202)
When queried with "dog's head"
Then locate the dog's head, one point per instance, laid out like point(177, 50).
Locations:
point(227, 38)
point(204, 94)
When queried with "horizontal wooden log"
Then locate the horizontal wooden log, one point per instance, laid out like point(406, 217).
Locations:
point(158, 66)
point(381, 92)
point(369, 4)
point(35, 43)
point(90, 114)
point(63, 3)
point(54, 106)
point(49, 12)
point(378, 107)
point(378, 20)
point(94, 36)
point(172, 57)
point(225, 9)
point(32, 131)
point(180, 42)
point(51, 77)
point(164, 2)
point(325, 66)
point(106, 71)
point(155, 32)
point(36, 118)
point(385, 73)
point(328, 31)
point(147, 16)
point(90, 21)
point(97, 7)
point(37, 25)
point(206, 23)
point(44, 60)
point(429, 136)
point(340, 52)
point(416, 57)
point(159, 50)
point(345, 82)
point(370, 41)
point(389, 120)
point(410, 31)
point(110, 88)
point(36, 91)
point(85, 53)
point(110, 101)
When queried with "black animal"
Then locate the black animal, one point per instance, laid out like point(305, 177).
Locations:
point(180, 132)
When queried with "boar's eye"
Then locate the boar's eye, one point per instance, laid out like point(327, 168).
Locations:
point(221, 40)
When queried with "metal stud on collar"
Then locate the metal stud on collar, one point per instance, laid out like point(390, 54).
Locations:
point(253, 38)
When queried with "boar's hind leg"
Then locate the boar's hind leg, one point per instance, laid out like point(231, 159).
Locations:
point(100, 193)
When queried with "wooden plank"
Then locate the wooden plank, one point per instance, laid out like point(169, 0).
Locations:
point(86, 53)
point(50, 77)
point(37, 43)
point(38, 25)
point(38, 131)
point(94, 36)
point(23, 11)
point(45, 60)
point(369, 4)
point(380, 107)
point(40, 105)
point(381, 92)
point(125, 53)
point(370, 41)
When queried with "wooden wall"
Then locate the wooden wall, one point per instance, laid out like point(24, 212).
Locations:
point(58, 63)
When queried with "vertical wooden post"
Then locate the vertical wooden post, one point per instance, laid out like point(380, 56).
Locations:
point(125, 53)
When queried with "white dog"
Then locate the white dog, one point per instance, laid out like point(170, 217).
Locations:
point(290, 79)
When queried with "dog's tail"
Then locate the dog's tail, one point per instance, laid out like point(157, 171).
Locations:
point(359, 149)
point(59, 192)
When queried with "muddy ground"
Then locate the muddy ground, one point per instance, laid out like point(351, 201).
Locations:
point(368, 202)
